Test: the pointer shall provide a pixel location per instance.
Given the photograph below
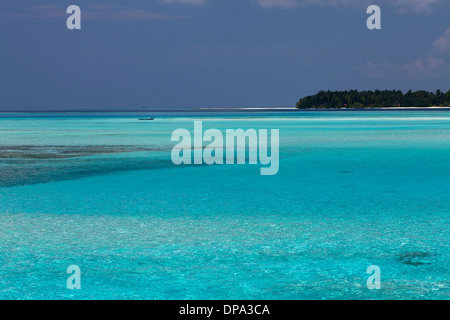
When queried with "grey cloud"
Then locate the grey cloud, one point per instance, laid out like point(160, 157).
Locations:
point(435, 64)
point(416, 5)
point(185, 1)
point(91, 12)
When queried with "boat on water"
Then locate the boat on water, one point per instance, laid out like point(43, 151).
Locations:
point(149, 118)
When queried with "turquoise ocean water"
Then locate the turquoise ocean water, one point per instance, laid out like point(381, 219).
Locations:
point(99, 191)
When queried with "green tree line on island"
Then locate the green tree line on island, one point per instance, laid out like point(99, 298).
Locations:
point(374, 99)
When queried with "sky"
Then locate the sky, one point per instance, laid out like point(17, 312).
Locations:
point(167, 54)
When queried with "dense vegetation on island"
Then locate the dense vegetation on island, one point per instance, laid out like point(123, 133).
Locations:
point(374, 99)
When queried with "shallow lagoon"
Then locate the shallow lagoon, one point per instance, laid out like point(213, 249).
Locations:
point(354, 189)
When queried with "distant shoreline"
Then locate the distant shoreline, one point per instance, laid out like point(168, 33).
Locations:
point(385, 99)
point(293, 109)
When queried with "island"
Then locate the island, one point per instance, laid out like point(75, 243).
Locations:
point(354, 99)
